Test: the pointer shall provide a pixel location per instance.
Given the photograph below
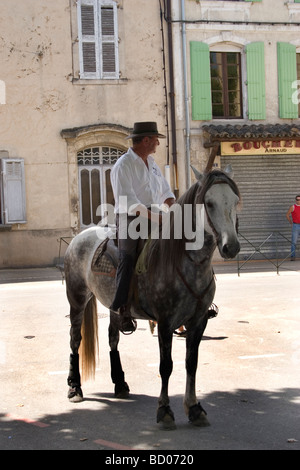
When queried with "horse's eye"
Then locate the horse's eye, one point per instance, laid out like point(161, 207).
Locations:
point(209, 205)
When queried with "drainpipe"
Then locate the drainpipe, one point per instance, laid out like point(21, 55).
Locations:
point(172, 95)
point(186, 97)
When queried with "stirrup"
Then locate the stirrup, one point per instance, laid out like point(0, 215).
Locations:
point(127, 323)
point(128, 326)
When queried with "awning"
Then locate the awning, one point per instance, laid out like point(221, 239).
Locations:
point(218, 133)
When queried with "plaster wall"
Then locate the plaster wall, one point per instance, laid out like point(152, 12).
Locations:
point(44, 95)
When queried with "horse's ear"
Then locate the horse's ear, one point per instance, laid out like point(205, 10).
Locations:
point(229, 170)
point(197, 173)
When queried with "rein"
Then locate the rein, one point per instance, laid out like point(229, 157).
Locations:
point(197, 297)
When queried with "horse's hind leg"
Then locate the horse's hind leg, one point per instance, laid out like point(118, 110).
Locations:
point(117, 374)
point(76, 317)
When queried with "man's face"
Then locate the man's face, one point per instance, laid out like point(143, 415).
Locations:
point(152, 143)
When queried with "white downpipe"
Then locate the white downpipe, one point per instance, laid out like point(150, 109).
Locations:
point(186, 97)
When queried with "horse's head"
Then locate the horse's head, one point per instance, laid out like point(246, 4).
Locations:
point(221, 197)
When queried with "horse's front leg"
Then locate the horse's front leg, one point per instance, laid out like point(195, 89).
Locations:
point(165, 416)
point(117, 374)
point(193, 409)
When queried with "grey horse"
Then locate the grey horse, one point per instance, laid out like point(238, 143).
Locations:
point(173, 285)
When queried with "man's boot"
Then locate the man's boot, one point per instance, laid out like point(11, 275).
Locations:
point(127, 323)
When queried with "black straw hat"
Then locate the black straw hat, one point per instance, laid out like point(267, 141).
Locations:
point(145, 129)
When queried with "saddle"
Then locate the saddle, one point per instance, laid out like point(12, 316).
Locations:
point(105, 263)
point(106, 258)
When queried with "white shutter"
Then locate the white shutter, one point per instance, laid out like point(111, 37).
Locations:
point(109, 40)
point(13, 206)
point(88, 39)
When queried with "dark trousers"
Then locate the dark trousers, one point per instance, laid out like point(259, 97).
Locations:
point(128, 252)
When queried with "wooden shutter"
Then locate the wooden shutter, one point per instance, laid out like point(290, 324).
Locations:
point(287, 75)
point(200, 81)
point(256, 80)
point(13, 191)
point(109, 41)
point(88, 33)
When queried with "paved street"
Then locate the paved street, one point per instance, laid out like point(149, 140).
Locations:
point(248, 377)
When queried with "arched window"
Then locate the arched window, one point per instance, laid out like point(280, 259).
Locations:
point(94, 166)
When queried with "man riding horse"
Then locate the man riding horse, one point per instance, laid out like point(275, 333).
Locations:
point(137, 183)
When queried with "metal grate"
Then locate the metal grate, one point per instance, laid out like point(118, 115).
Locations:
point(98, 156)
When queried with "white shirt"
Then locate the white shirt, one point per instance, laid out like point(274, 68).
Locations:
point(130, 177)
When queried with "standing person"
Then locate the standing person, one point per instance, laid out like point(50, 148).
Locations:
point(137, 183)
point(294, 212)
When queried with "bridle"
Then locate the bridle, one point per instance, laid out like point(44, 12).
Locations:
point(201, 200)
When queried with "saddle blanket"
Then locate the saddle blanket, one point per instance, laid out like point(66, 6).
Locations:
point(105, 259)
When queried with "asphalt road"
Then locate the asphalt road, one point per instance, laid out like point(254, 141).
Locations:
point(248, 376)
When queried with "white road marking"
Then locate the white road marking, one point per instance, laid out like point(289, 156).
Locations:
point(260, 356)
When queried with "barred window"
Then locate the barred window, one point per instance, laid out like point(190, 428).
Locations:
point(94, 165)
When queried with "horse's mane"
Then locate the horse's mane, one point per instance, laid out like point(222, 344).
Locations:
point(166, 254)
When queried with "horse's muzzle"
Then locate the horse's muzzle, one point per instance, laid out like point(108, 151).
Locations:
point(230, 249)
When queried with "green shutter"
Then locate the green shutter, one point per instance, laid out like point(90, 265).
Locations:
point(254, 0)
point(297, 1)
point(255, 54)
point(200, 81)
point(287, 74)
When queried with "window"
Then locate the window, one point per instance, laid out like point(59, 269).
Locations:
point(226, 89)
point(216, 82)
point(98, 39)
point(94, 166)
point(12, 191)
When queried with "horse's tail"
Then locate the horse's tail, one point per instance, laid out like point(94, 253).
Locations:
point(89, 342)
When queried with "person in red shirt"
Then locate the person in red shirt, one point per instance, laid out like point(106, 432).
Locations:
point(293, 216)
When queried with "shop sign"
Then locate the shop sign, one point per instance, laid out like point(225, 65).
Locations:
point(261, 147)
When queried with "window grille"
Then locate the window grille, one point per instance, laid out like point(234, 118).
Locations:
point(94, 165)
point(99, 156)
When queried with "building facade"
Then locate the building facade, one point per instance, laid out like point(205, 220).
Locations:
point(237, 90)
point(75, 76)
point(221, 78)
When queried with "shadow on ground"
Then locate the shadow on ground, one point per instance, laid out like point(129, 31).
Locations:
point(244, 420)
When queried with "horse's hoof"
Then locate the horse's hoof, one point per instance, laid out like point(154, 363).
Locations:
point(75, 395)
point(122, 390)
point(165, 418)
point(197, 416)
